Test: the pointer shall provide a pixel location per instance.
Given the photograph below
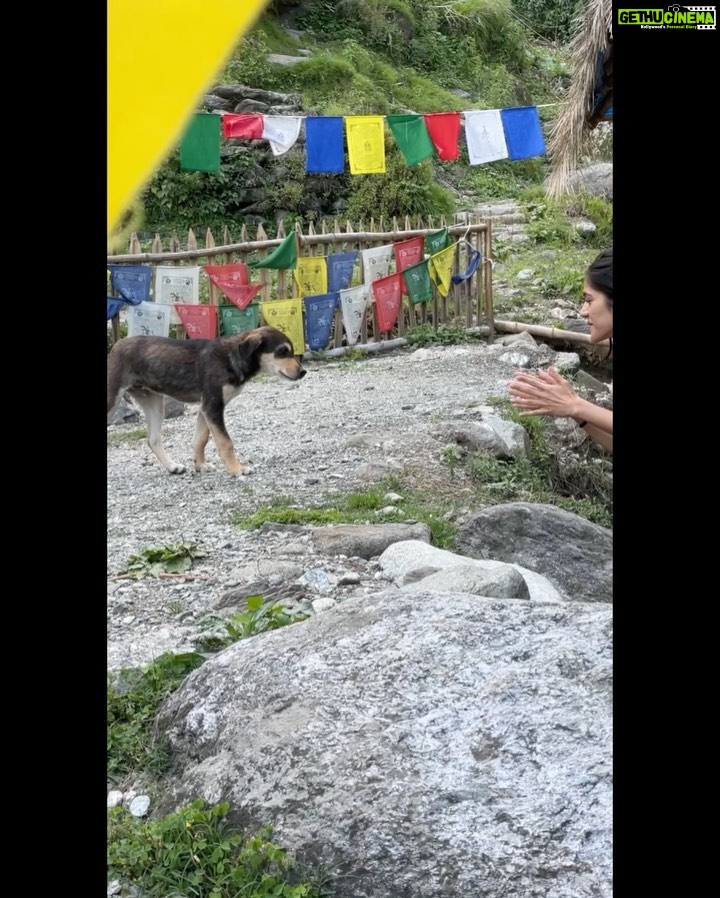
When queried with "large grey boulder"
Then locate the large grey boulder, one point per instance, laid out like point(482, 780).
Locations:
point(503, 582)
point(428, 746)
point(572, 552)
point(413, 561)
point(595, 179)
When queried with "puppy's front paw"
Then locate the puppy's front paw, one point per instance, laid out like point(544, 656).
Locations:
point(238, 470)
point(205, 466)
point(176, 469)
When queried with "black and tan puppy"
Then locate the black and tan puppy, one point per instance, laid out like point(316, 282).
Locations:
point(211, 372)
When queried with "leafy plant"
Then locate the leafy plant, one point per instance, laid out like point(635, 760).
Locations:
point(546, 224)
point(451, 456)
point(193, 852)
point(166, 560)
point(133, 698)
point(260, 617)
point(553, 20)
point(442, 335)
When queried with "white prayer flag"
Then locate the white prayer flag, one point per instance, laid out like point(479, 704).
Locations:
point(485, 136)
point(282, 131)
point(149, 319)
point(353, 303)
point(376, 262)
point(177, 283)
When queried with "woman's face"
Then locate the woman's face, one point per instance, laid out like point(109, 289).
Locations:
point(599, 315)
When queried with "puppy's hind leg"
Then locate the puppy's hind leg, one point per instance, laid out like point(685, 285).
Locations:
point(153, 408)
point(202, 435)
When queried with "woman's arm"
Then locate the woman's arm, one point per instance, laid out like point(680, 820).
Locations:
point(600, 436)
point(547, 393)
point(600, 418)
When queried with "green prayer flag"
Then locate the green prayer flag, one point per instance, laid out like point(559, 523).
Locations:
point(418, 283)
point(236, 321)
point(411, 136)
point(200, 145)
point(436, 241)
point(283, 256)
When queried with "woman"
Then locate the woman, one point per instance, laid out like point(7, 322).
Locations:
point(547, 393)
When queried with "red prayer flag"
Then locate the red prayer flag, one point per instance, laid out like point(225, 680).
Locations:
point(228, 276)
point(242, 295)
point(198, 321)
point(388, 299)
point(408, 253)
point(444, 131)
point(244, 127)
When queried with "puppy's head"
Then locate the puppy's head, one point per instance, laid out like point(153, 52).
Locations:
point(274, 353)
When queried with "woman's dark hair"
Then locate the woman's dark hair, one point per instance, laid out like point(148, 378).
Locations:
point(600, 274)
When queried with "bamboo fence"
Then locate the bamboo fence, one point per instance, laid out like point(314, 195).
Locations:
point(468, 304)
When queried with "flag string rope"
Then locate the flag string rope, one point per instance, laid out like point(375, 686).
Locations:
point(374, 115)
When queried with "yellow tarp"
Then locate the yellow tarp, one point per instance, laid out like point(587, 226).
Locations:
point(162, 56)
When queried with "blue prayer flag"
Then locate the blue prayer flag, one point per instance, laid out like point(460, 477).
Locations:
point(523, 133)
point(319, 317)
point(340, 270)
point(131, 282)
point(473, 263)
point(324, 146)
point(113, 306)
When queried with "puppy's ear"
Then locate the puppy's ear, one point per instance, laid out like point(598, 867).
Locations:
point(250, 345)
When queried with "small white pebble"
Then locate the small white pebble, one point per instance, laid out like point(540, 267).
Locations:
point(114, 798)
point(139, 806)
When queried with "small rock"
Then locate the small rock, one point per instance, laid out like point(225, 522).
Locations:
point(317, 580)
point(323, 604)
point(567, 361)
point(516, 360)
point(140, 805)
point(114, 798)
point(585, 227)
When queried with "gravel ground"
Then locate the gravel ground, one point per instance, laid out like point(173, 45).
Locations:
point(344, 426)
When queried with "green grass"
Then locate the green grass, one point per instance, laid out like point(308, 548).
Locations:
point(363, 507)
point(133, 699)
point(127, 436)
point(193, 852)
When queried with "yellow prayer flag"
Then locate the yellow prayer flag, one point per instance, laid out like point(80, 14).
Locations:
point(286, 315)
point(440, 268)
point(152, 93)
point(366, 144)
point(310, 274)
